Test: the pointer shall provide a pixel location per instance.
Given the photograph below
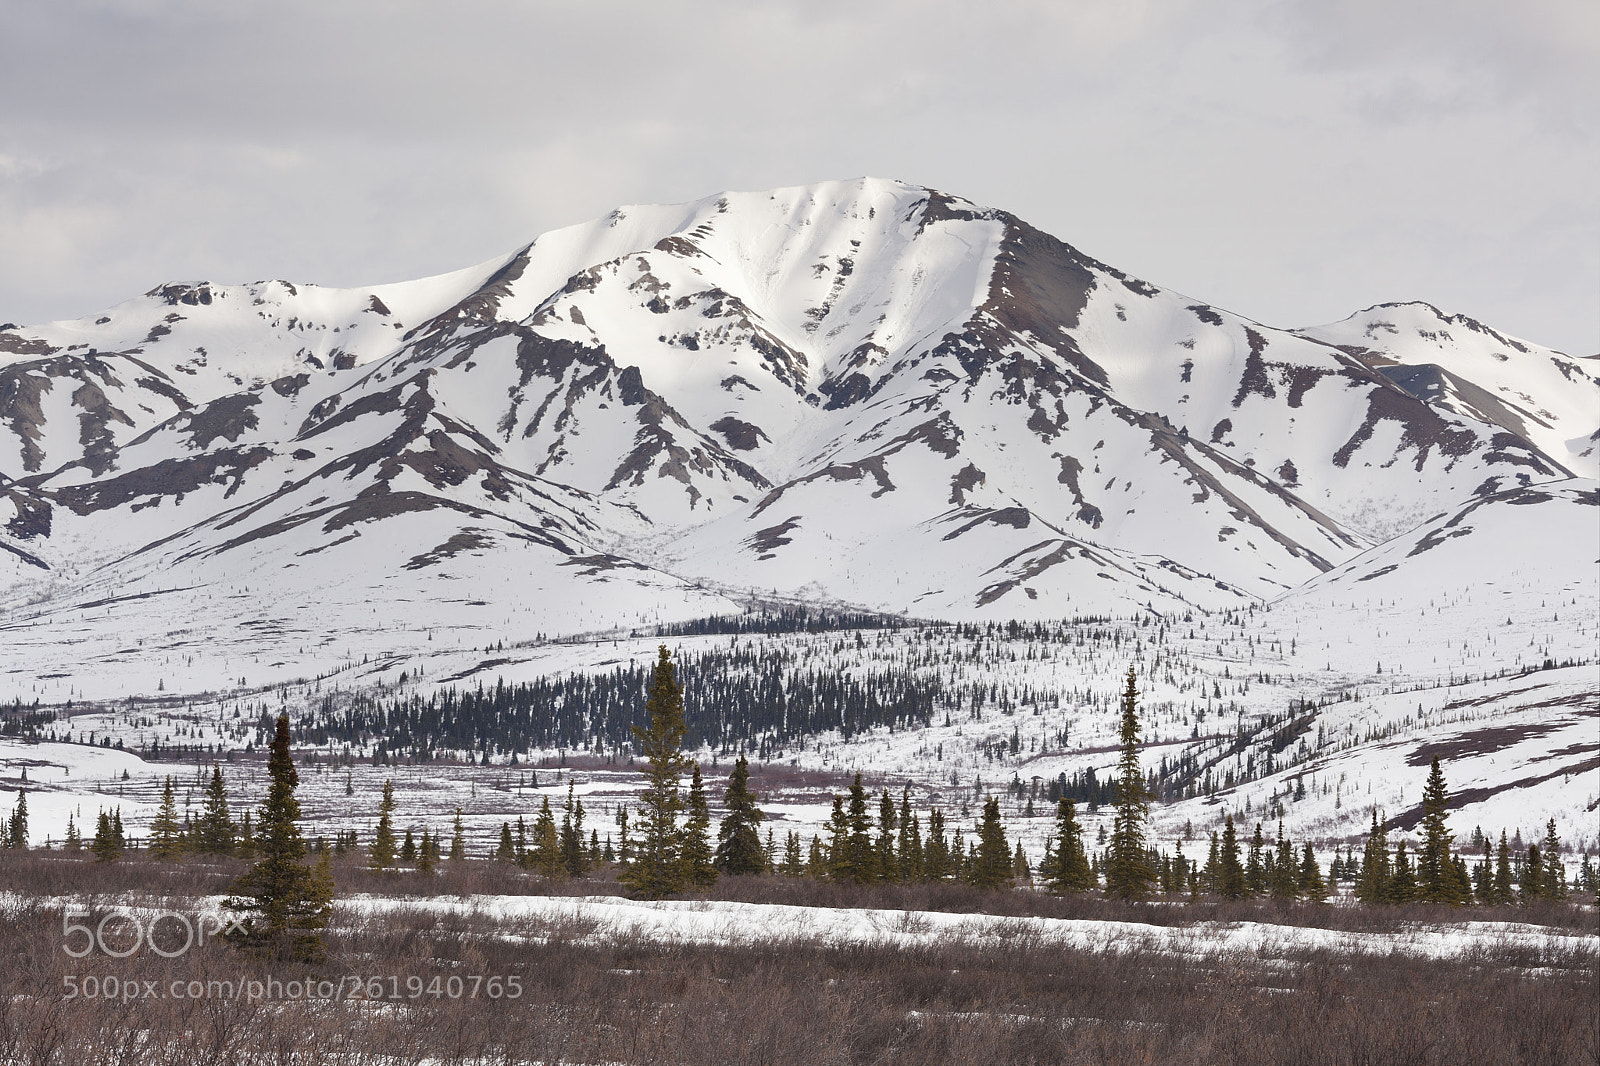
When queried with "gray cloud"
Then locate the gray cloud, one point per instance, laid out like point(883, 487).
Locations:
point(1293, 161)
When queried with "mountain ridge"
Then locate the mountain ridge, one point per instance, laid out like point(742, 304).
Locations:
point(865, 392)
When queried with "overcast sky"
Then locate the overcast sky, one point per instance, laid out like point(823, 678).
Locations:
point(1291, 161)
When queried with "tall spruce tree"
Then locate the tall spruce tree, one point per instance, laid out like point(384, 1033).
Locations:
point(285, 903)
point(860, 864)
point(1128, 874)
point(886, 864)
point(656, 869)
point(1435, 870)
point(1555, 871)
point(17, 828)
point(1230, 871)
point(105, 847)
point(1503, 893)
point(699, 860)
point(991, 866)
point(574, 858)
point(214, 832)
point(381, 853)
point(164, 828)
point(739, 851)
point(1372, 887)
point(1067, 863)
point(458, 839)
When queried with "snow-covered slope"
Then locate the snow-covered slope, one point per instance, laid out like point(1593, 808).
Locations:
point(864, 393)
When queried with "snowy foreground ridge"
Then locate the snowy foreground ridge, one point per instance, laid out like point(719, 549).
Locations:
point(605, 918)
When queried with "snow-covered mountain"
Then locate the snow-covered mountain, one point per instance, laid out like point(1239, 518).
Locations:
point(862, 393)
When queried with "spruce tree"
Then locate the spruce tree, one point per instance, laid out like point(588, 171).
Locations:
point(380, 854)
point(1503, 893)
point(739, 850)
point(699, 865)
point(1403, 883)
point(1255, 872)
point(427, 854)
point(164, 844)
point(17, 830)
point(1373, 885)
point(656, 869)
point(1310, 878)
point(458, 839)
point(408, 850)
point(506, 851)
point(910, 843)
point(859, 863)
point(1532, 875)
point(543, 852)
point(886, 864)
point(991, 864)
point(1285, 871)
point(1068, 864)
point(1230, 875)
point(793, 864)
point(74, 841)
point(104, 846)
point(1555, 871)
point(285, 903)
point(574, 858)
point(1435, 873)
point(1128, 873)
point(215, 831)
point(936, 860)
point(838, 847)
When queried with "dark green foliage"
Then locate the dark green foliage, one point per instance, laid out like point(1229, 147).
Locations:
point(543, 851)
point(458, 839)
point(17, 828)
point(165, 844)
point(105, 846)
point(991, 864)
point(1230, 872)
point(656, 869)
point(699, 866)
point(1066, 866)
point(1128, 874)
point(214, 832)
point(1436, 882)
point(381, 853)
point(574, 858)
point(1372, 886)
point(885, 861)
point(1555, 871)
point(738, 839)
point(1311, 883)
point(284, 903)
point(1403, 882)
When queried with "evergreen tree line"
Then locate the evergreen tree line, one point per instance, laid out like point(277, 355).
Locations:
point(746, 700)
point(778, 623)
